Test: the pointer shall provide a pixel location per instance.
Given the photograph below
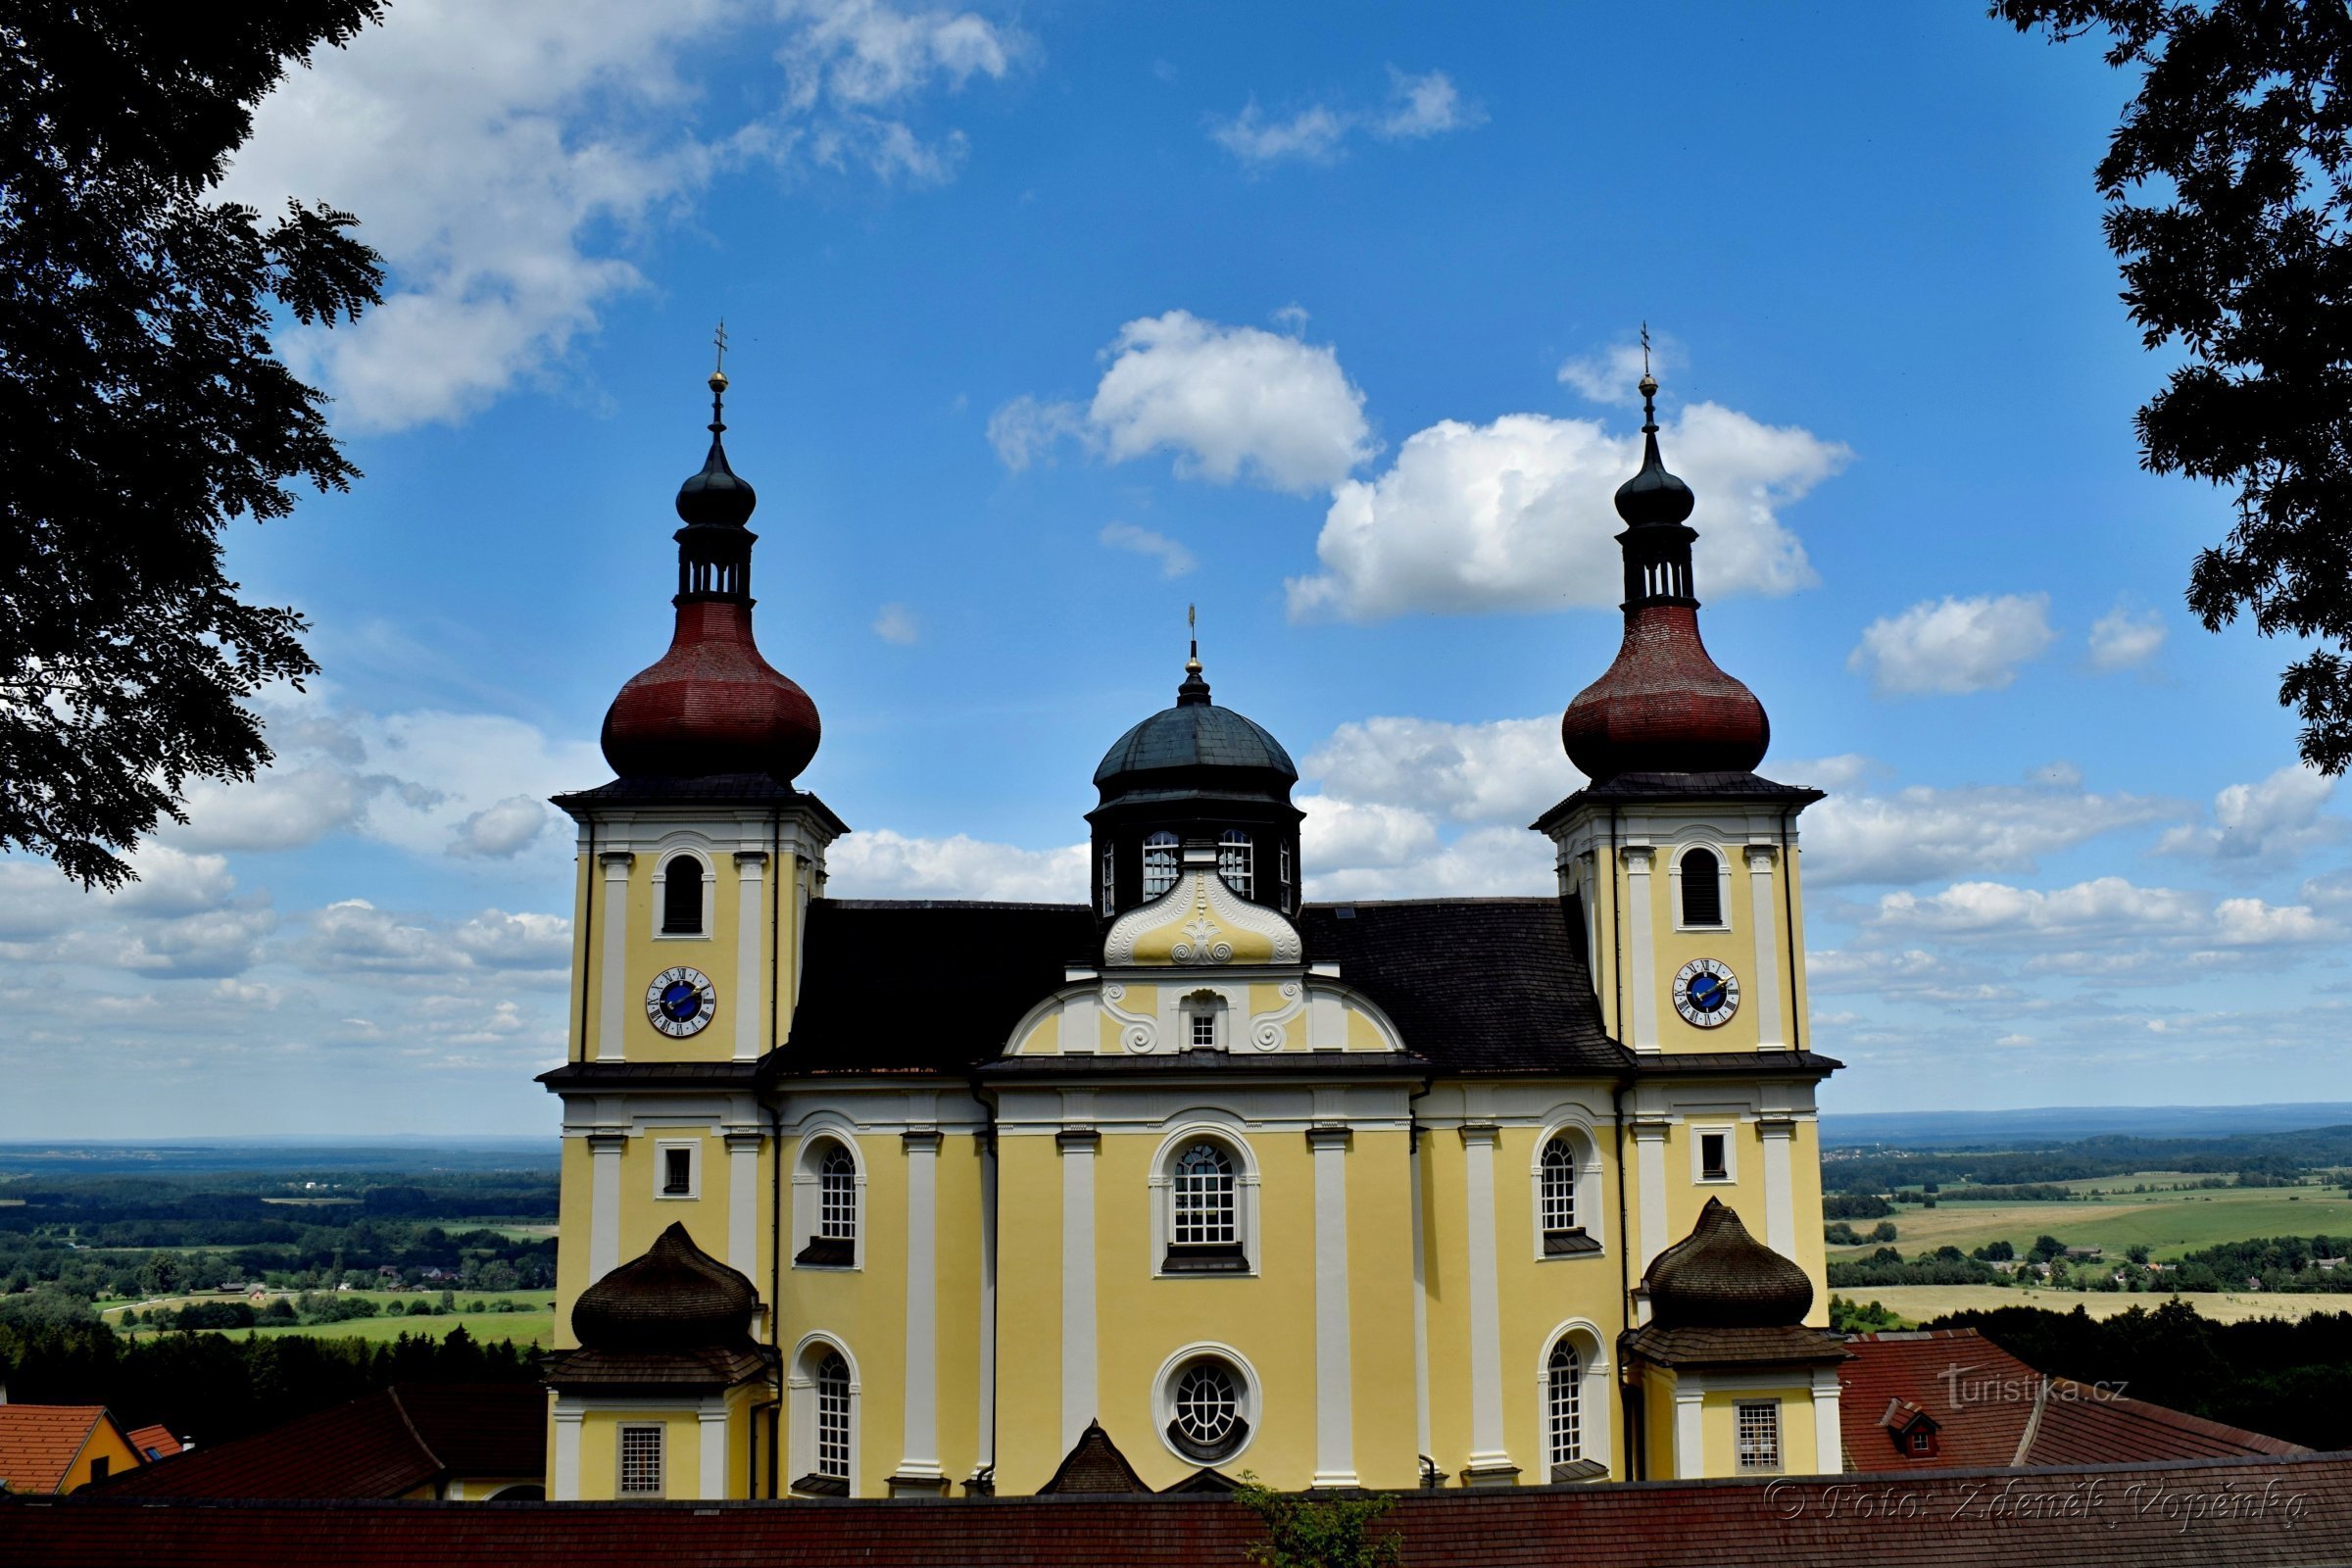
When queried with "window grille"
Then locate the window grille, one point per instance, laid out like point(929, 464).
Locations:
point(641, 1461)
point(833, 1417)
point(1204, 1196)
point(837, 1196)
point(1702, 889)
point(1204, 1030)
point(1235, 862)
point(682, 897)
point(1159, 863)
point(1208, 1407)
point(1564, 1405)
point(1559, 1186)
point(1758, 1434)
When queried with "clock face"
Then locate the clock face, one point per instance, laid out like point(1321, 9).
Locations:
point(681, 1001)
point(1706, 993)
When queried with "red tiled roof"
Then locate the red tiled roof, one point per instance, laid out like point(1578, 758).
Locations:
point(39, 1443)
point(1991, 1408)
point(155, 1442)
point(383, 1445)
point(2195, 1514)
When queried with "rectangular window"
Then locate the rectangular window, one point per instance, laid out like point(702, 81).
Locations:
point(1204, 1031)
point(1757, 1433)
point(1714, 1159)
point(99, 1467)
point(1109, 883)
point(641, 1461)
point(678, 1171)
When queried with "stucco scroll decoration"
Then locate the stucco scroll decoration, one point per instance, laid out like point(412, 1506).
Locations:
point(1139, 1033)
point(1204, 910)
point(1268, 1030)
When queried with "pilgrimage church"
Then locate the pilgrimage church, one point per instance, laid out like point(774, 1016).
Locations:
point(923, 1198)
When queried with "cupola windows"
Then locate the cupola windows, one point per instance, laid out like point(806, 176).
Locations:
point(1161, 852)
point(1237, 862)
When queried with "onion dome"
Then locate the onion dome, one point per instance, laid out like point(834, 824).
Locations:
point(1720, 1277)
point(713, 706)
point(676, 1296)
point(1663, 706)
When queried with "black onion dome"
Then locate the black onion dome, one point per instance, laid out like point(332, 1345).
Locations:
point(1195, 733)
point(1653, 497)
point(675, 1296)
point(1720, 1277)
point(715, 495)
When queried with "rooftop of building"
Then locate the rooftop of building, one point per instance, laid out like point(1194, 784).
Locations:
point(39, 1443)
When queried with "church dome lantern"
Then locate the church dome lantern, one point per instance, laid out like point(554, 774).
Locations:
point(711, 706)
point(1663, 706)
point(1195, 775)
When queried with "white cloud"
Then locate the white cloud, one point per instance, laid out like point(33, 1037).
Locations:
point(1922, 832)
point(354, 935)
point(1505, 772)
point(1230, 401)
point(505, 157)
point(1026, 429)
point(879, 863)
point(1954, 645)
point(1486, 862)
point(1517, 515)
point(896, 624)
point(2123, 640)
point(1175, 560)
point(498, 940)
point(1614, 374)
point(2107, 928)
point(501, 831)
point(2271, 821)
point(1418, 107)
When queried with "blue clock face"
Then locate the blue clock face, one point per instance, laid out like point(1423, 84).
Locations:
point(680, 1002)
point(1706, 993)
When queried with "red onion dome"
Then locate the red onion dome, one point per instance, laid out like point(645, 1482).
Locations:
point(1662, 707)
point(713, 704)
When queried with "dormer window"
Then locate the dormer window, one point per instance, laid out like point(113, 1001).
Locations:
point(1237, 862)
point(1160, 852)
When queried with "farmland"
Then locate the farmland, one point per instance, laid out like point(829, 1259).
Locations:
point(2168, 1223)
point(1919, 1304)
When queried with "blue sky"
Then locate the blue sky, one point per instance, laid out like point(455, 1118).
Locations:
point(1050, 320)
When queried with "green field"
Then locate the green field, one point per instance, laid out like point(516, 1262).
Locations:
point(2168, 1223)
point(524, 1328)
point(1917, 1304)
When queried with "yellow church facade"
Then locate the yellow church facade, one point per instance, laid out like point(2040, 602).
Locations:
point(1198, 1178)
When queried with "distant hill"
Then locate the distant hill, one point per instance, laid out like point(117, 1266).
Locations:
point(280, 1155)
point(1994, 1129)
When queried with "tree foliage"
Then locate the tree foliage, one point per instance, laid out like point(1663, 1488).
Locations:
point(143, 406)
point(1307, 1531)
point(2229, 183)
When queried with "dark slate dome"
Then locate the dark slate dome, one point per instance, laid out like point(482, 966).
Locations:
point(1720, 1277)
point(1194, 734)
point(676, 1296)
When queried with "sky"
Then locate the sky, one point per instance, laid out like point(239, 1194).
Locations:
point(1050, 320)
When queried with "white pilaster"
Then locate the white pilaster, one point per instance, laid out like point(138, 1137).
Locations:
point(919, 1457)
point(1420, 1306)
point(710, 1427)
point(987, 1446)
point(1779, 1186)
point(603, 1204)
point(1641, 985)
point(565, 1475)
point(612, 966)
point(751, 882)
point(1649, 1168)
point(1335, 1403)
point(1690, 1433)
point(743, 1203)
point(1829, 1446)
point(1079, 1145)
point(1489, 1458)
point(1771, 1031)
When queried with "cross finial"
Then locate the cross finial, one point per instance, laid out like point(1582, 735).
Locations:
point(1191, 623)
point(1648, 385)
point(1644, 346)
point(719, 338)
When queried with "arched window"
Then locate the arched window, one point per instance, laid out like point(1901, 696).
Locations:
point(831, 1213)
point(1564, 1405)
point(682, 897)
point(1702, 889)
point(1205, 1403)
point(1159, 863)
point(833, 1417)
point(1237, 862)
point(1558, 1196)
point(1204, 1197)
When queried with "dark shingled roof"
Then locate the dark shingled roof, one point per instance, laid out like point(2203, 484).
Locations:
point(1193, 735)
point(1093, 1464)
point(1474, 985)
point(1720, 1277)
point(383, 1445)
point(1954, 1519)
point(1762, 1346)
point(755, 787)
point(673, 1317)
point(968, 970)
